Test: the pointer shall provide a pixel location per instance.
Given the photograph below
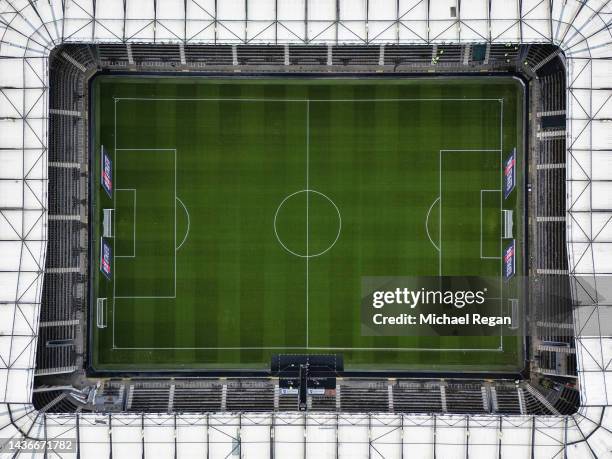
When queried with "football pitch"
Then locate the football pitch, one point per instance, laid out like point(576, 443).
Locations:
point(245, 213)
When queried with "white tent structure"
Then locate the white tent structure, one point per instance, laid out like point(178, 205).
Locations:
point(30, 29)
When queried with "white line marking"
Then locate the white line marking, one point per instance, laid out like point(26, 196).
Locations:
point(440, 189)
point(307, 215)
point(188, 223)
point(300, 255)
point(481, 222)
point(114, 224)
point(263, 99)
point(317, 348)
point(440, 217)
point(115, 219)
point(175, 172)
point(135, 211)
point(403, 349)
point(149, 297)
point(427, 224)
point(501, 218)
point(175, 167)
point(133, 225)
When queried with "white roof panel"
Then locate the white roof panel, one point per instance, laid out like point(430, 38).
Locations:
point(190, 436)
point(28, 31)
point(171, 9)
point(233, 11)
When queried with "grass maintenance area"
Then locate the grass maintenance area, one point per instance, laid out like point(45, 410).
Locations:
point(244, 213)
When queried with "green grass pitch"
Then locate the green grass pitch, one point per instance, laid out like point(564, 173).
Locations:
point(246, 212)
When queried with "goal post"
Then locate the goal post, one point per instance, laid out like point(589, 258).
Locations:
point(101, 313)
point(514, 313)
point(107, 223)
point(508, 223)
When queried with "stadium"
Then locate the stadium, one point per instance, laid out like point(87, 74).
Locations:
point(217, 217)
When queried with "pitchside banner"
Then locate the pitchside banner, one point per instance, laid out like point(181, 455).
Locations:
point(107, 173)
point(509, 260)
point(105, 258)
point(510, 174)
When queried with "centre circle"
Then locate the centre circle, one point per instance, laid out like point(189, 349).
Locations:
point(307, 223)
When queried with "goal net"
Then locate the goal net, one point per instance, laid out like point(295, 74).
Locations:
point(107, 223)
point(101, 313)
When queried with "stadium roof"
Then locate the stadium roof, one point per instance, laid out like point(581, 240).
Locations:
point(29, 30)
